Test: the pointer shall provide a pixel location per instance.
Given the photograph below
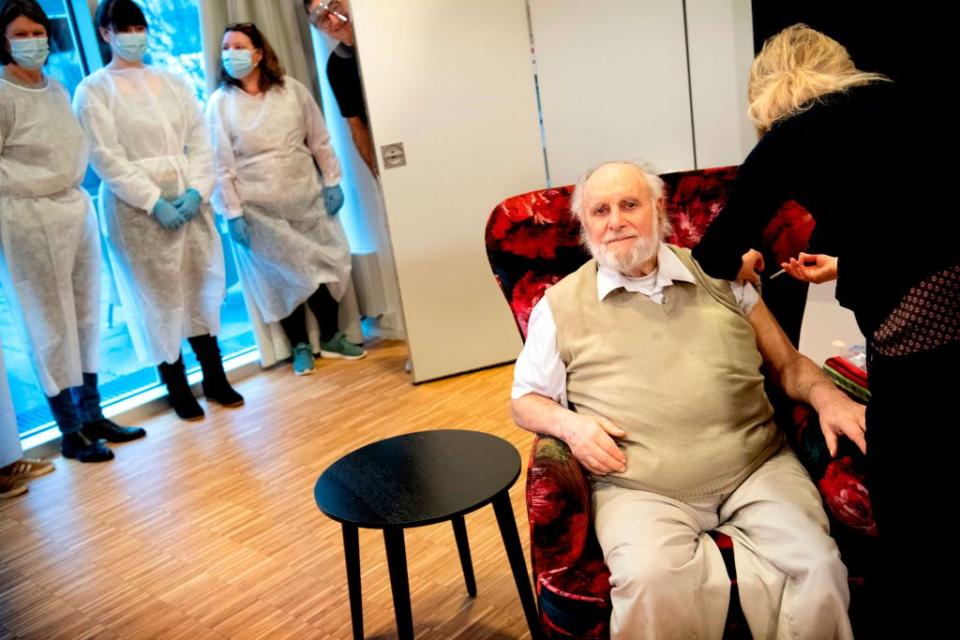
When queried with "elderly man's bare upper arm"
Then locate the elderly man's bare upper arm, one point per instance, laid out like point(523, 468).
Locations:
point(774, 345)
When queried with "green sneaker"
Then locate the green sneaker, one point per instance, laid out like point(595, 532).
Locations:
point(340, 347)
point(303, 359)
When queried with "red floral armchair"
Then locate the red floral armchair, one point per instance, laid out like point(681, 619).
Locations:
point(533, 242)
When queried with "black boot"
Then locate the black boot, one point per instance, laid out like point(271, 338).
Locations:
point(77, 445)
point(95, 424)
point(74, 444)
point(216, 387)
point(178, 391)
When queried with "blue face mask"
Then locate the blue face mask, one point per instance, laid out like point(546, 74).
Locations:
point(129, 46)
point(30, 53)
point(238, 63)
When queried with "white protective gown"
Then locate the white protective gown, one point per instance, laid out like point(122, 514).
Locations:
point(147, 141)
point(50, 262)
point(268, 149)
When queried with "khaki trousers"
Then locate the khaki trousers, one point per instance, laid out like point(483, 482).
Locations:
point(668, 579)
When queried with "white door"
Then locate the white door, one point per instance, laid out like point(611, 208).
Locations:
point(452, 82)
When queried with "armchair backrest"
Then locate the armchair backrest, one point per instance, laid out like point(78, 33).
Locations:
point(533, 240)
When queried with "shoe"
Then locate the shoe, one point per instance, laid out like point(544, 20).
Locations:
point(83, 449)
point(223, 394)
point(11, 487)
point(178, 391)
point(111, 431)
point(215, 385)
point(340, 347)
point(27, 469)
point(303, 363)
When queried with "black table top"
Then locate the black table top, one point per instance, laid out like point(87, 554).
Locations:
point(417, 479)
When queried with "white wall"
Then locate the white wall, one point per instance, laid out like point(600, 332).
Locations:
point(827, 327)
point(721, 50)
point(452, 81)
point(613, 83)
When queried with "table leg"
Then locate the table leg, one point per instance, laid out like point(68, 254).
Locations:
point(463, 546)
point(351, 549)
point(511, 542)
point(397, 563)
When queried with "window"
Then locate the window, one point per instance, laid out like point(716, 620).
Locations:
point(174, 45)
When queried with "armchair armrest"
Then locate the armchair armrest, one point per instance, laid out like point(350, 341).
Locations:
point(558, 506)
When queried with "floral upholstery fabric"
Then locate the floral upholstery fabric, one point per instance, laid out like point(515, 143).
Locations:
point(532, 243)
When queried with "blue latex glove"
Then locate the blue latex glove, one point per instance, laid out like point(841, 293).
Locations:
point(188, 204)
point(167, 215)
point(239, 231)
point(333, 199)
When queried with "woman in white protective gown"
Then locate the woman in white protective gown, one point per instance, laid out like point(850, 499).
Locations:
point(278, 187)
point(149, 145)
point(49, 244)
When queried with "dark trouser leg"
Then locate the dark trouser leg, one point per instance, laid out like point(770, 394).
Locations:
point(295, 326)
point(216, 387)
point(87, 398)
point(75, 444)
point(65, 412)
point(179, 394)
point(95, 425)
point(327, 311)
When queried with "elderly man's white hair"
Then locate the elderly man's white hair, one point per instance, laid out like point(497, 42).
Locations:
point(654, 185)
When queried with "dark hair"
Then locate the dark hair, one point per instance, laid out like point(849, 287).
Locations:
point(12, 10)
point(119, 15)
point(271, 73)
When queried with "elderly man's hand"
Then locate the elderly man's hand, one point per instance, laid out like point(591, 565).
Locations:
point(839, 415)
point(589, 438)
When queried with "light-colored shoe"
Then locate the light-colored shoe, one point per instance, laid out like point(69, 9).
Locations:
point(303, 359)
point(340, 347)
point(27, 469)
point(11, 487)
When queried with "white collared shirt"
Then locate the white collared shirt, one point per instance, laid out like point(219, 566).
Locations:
point(539, 368)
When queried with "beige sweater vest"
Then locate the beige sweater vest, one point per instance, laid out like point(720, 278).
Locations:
point(682, 379)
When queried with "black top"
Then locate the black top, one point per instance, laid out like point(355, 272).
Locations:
point(853, 160)
point(344, 76)
point(417, 479)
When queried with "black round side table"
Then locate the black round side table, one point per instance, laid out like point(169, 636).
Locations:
point(418, 479)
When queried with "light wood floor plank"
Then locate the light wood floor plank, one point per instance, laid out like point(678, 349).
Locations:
point(209, 529)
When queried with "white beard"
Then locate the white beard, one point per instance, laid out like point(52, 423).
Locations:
point(642, 251)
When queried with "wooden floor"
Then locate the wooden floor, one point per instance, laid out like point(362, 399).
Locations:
point(209, 529)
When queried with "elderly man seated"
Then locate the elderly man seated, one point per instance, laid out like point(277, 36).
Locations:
point(660, 366)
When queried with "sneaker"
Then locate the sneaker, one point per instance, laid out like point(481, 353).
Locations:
point(340, 347)
point(303, 359)
point(11, 486)
point(26, 469)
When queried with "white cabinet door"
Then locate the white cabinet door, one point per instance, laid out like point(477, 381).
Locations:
point(613, 83)
point(721, 52)
point(452, 82)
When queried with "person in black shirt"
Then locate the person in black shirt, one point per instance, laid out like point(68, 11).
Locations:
point(847, 146)
point(333, 19)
